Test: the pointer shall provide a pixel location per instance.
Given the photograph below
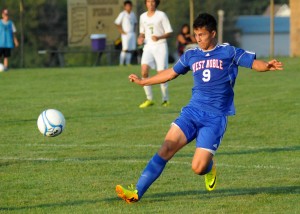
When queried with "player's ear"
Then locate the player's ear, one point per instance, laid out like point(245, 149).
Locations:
point(214, 34)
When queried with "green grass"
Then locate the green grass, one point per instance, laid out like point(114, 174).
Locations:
point(108, 140)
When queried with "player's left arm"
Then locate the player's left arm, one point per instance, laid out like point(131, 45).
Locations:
point(262, 66)
point(161, 77)
point(164, 36)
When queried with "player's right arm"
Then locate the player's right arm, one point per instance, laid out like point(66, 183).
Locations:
point(262, 66)
point(120, 29)
point(161, 77)
point(141, 39)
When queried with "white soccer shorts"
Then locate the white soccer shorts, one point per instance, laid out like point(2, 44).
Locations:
point(156, 56)
point(129, 41)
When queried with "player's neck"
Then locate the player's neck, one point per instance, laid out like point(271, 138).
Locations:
point(212, 46)
point(150, 13)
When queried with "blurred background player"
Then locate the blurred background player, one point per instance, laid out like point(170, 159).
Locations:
point(8, 39)
point(204, 119)
point(155, 28)
point(126, 23)
point(184, 38)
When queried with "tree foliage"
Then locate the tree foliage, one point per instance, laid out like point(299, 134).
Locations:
point(45, 24)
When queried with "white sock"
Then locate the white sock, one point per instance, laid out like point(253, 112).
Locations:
point(128, 58)
point(148, 91)
point(122, 57)
point(164, 91)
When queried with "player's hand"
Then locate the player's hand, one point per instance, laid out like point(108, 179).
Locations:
point(155, 38)
point(134, 78)
point(140, 40)
point(275, 65)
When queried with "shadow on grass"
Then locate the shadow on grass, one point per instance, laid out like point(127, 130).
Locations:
point(230, 192)
point(262, 150)
point(250, 151)
point(166, 196)
point(58, 204)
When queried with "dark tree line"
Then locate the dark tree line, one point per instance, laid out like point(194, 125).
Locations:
point(45, 22)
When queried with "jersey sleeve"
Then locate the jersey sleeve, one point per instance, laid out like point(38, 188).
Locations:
point(182, 66)
point(119, 19)
point(14, 29)
point(142, 27)
point(166, 24)
point(243, 58)
point(135, 19)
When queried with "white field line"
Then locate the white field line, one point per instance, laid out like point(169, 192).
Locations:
point(130, 146)
point(132, 161)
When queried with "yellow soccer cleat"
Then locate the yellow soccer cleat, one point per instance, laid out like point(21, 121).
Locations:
point(129, 195)
point(211, 178)
point(165, 103)
point(146, 104)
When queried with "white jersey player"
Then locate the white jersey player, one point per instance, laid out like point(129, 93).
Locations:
point(126, 22)
point(155, 28)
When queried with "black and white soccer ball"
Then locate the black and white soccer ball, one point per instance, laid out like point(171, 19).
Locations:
point(51, 122)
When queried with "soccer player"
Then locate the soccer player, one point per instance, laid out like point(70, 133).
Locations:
point(155, 28)
point(214, 68)
point(126, 23)
point(8, 39)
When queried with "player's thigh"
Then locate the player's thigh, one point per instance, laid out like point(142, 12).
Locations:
point(211, 133)
point(175, 139)
point(148, 57)
point(131, 41)
point(125, 42)
point(161, 53)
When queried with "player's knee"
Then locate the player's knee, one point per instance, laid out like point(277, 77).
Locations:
point(167, 150)
point(199, 169)
point(145, 74)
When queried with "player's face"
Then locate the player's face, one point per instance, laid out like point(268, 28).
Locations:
point(128, 7)
point(151, 5)
point(204, 38)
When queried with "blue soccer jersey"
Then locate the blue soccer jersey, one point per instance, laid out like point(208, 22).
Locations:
point(214, 73)
point(6, 34)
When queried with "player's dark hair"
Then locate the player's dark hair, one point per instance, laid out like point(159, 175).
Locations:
point(205, 20)
point(127, 2)
point(156, 2)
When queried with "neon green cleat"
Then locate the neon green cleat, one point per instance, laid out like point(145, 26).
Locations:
point(211, 178)
point(165, 103)
point(146, 104)
point(129, 195)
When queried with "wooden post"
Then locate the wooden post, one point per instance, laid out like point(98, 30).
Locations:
point(271, 29)
point(220, 26)
point(295, 28)
point(22, 33)
point(191, 14)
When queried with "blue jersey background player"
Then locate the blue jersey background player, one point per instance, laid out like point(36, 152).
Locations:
point(215, 68)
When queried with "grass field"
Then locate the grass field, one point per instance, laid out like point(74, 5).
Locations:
point(108, 140)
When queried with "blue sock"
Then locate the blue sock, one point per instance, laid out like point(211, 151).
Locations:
point(209, 167)
point(152, 171)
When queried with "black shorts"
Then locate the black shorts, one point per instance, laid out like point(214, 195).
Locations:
point(4, 52)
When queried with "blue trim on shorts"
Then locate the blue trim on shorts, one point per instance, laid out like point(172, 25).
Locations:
point(207, 128)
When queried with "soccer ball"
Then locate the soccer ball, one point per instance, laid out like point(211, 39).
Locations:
point(1, 67)
point(51, 122)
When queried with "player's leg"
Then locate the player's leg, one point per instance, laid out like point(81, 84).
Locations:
point(174, 141)
point(6, 56)
point(161, 59)
point(147, 62)
point(208, 140)
point(181, 132)
point(131, 47)
point(124, 48)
